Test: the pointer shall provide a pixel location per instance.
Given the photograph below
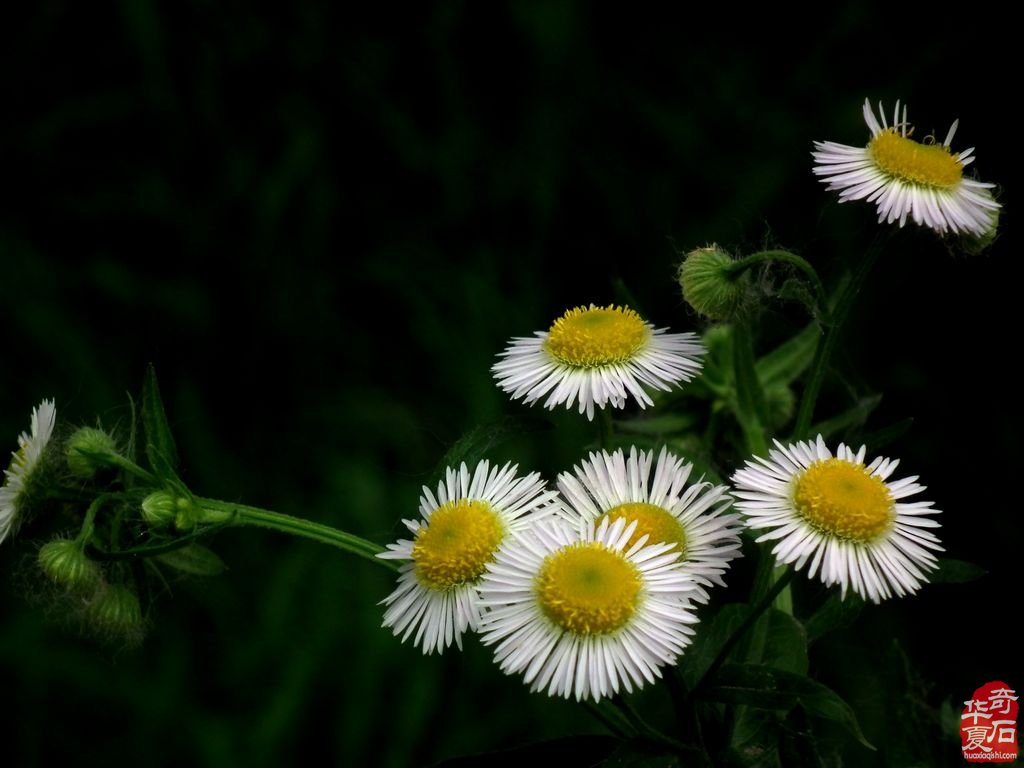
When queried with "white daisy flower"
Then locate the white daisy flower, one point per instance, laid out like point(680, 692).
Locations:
point(586, 613)
point(845, 518)
point(691, 516)
point(460, 532)
point(597, 356)
point(905, 178)
point(23, 463)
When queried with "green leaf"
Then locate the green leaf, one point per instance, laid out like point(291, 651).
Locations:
point(785, 643)
point(853, 417)
point(762, 687)
point(664, 424)
point(755, 739)
point(785, 363)
point(956, 572)
point(709, 642)
point(478, 441)
point(194, 559)
point(160, 447)
point(836, 613)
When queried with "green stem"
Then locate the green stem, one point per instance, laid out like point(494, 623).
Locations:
point(751, 618)
point(242, 514)
point(823, 354)
point(150, 550)
point(89, 523)
point(761, 257)
point(749, 396)
point(129, 466)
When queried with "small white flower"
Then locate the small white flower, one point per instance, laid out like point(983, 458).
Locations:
point(597, 356)
point(460, 532)
point(692, 516)
point(585, 613)
point(845, 518)
point(23, 463)
point(904, 178)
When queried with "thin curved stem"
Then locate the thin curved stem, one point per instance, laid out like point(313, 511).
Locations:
point(761, 257)
point(242, 514)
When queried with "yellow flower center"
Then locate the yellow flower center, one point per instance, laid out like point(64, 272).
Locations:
point(588, 588)
point(931, 165)
point(457, 543)
point(589, 338)
point(652, 521)
point(843, 499)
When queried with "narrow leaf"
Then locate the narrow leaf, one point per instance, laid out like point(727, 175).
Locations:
point(786, 362)
point(836, 613)
point(853, 417)
point(665, 424)
point(767, 688)
point(785, 643)
point(709, 641)
point(956, 572)
point(194, 559)
point(160, 447)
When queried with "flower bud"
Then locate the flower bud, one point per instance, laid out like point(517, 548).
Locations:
point(707, 285)
point(973, 244)
point(82, 447)
point(65, 564)
point(161, 508)
point(116, 613)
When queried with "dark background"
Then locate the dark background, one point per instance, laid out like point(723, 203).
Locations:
point(322, 225)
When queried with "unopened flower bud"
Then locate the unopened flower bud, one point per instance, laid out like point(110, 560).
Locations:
point(82, 448)
point(65, 564)
point(115, 612)
point(162, 508)
point(975, 244)
point(708, 286)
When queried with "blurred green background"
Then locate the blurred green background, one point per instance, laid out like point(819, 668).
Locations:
point(322, 224)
